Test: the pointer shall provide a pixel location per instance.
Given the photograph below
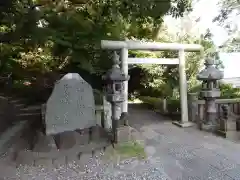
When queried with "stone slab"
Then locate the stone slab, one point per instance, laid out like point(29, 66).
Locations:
point(59, 161)
point(71, 105)
point(84, 161)
point(124, 134)
point(43, 162)
point(72, 158)
point(45, 143)
point(97, 133)
point(24, 158)
point(67, 140)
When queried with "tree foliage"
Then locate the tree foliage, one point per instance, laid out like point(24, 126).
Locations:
point(42, 36)
point(163, 80)
point(47, 35)
point(228, 18)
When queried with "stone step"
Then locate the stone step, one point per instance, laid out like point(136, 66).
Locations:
point(61, 157)
point(69, 139)
point(19, 105)
point(11, 135)
point(12, 142)
point(23, 158)
point(32, 108)
point(45, 143)
point(9, 158)
point(7, 114)
point(29, 116)
point(15, 100)
point(20, 145)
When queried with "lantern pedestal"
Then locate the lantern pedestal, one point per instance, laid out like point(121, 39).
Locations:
point(183, 124)
point(128, 134)
point(123, 134)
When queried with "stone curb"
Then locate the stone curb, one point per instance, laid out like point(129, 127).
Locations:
point(62, 157)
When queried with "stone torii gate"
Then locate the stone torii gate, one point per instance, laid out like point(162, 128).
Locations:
point(124, 46)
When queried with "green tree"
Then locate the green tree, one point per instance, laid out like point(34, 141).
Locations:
point(163, 80)
point(228, 18)
point(46, 35)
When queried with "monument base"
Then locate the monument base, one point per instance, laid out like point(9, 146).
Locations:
point(183, 124)
point(127, 134)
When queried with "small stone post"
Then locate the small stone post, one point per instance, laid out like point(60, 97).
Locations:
point(223, 121)
point(107, 114)
point(116, 109)
point(200, 116)
point(124, 68)
point(193, 106)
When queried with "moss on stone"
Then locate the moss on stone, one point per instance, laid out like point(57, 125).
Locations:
point(124, 151)
point(130, 149)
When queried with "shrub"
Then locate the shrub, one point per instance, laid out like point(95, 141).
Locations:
point(196, 88)
point(227, 91)
point(154, 102)
point(173, 105)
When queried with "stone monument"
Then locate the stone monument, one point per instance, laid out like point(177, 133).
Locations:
point(71, 105)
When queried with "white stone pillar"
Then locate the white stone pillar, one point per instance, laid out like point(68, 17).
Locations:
point(107, 114)
point(183, 92)
point(124, 67)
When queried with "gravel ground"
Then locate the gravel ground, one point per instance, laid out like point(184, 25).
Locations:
point(96, 170)
point(173, 154)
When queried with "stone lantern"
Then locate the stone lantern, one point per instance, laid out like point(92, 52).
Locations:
point(114, 89)
point(210, 91)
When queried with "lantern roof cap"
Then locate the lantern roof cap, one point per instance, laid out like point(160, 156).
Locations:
point(115, 73)
point(210, 72)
